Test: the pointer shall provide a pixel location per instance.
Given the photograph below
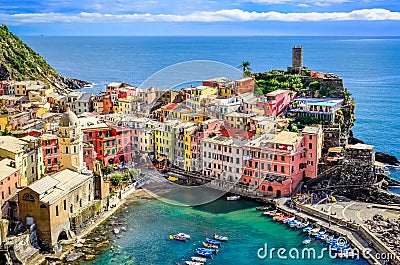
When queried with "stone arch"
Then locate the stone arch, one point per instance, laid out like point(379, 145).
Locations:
point(62, 236)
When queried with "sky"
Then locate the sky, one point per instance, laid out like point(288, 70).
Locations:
point(202, 17)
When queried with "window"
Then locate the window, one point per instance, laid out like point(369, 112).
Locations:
point(28, 197)
point(275, 157)
point(48, 161)
point(282, 169)
point(283, 158)
point(57, 211)
point(9, 190)
point(71, 208)
point(66, 149)
point(65, 205)
point(275, 168)
point(310, 145)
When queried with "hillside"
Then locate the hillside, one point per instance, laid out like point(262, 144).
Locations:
point(19, 62)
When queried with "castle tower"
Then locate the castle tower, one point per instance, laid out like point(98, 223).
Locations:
point(297, 58)
point(70, 140)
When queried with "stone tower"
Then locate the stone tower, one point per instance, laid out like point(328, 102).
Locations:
point(297, 58)
point(70, 140)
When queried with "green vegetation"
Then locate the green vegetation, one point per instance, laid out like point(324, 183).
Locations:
point(246, 68)
point(19, 62)
point(273, 80)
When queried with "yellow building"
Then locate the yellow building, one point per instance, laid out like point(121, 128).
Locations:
point(4, 122)
point(27, 155)
point(164, 140)
point(189, 134)
point(238, 120)
point(194, 95)
point(125, 105)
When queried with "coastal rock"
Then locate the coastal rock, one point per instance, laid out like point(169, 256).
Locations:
point(74, 256)
point(387, 159)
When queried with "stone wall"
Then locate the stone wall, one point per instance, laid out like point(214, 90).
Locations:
point(81, 219)
point(331, 138)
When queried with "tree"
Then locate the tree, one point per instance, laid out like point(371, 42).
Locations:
point(246, 68)
point(107, 170)
point(116, 180)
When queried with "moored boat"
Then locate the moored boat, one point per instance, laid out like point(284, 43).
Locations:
point(198, 259)
point(207, 254)
point(212, 250)
point(189, 262)
point(209, 245)
point(233, 198)
point(263, 208)
point(307, 241)
point(220, 238)
point(213, 241)
point(177, 237)
point(285, 221)
point(268, 213)
point(307, 229)
point(187, 236)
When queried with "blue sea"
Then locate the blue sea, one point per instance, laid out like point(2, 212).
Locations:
point(370, 68)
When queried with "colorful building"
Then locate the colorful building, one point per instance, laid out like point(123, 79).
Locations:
point(10, 181)
point(51, 152)
point(275, 102)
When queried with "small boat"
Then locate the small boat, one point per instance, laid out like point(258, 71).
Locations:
point(116, 231)
point(198, 259)
point(277, 216)
point(189, 262)
point(283, 218)
point(294, 223)
point(209, 245)
point(272, 214)
point(285, 221)
point(179, 238)
point(307, 229)
point(220, 238)
point(267, 213)
point(302, 225)
point(233, 198)
point(314, 231)
point(322, 236)
point(212, 250)
point(187, 236)
point(203, 253)
point(213, 241)
point(307, 241)
point(263, 208)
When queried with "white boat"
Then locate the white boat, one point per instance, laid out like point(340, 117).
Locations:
point(187, 236)
point(220, 238)
point(188, 262)
point(116, 231)
point(233, 198)
point(199, 259)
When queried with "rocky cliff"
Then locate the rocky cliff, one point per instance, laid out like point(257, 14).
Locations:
point(19, 62)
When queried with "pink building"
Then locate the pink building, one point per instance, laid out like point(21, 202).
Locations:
point(51, 152)
point(313, 137)
point(276, 101)
point(222, 158)
point(9, 182)
point(274, 164)
point(89, 155)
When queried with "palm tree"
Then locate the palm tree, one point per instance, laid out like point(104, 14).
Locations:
point(246, 68)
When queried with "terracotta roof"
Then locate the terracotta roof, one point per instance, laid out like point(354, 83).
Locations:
point(170, 106)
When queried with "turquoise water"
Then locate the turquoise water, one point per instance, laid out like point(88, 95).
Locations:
point(150, 222)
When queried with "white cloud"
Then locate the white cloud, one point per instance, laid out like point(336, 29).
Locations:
point(303, 5)
point(230, 15)
point(280, 2)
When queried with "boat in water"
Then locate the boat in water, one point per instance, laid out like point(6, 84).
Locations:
point(187, 236)
point(212, 250)
point(307, 229)
point(268, 213)
point(233, 198)
point(199, 259)
point(263, 208)
point(213, 241)
point(190, 262)
point(203, 253)
point(209, 245)
point(177, 237)
point(307, 241)
point(220, 238)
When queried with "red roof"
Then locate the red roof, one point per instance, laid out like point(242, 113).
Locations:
point(170, 106)
point(236, 133)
